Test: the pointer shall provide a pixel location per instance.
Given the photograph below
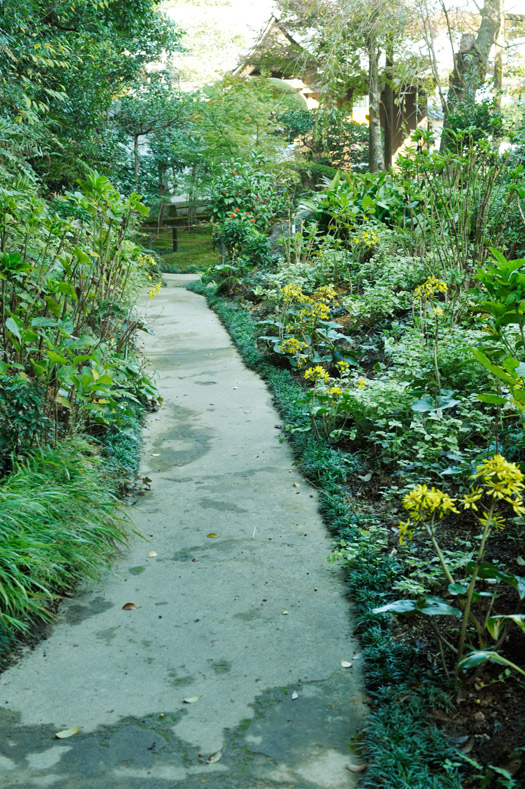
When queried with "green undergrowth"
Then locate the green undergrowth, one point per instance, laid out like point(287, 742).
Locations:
point(122, 443)
point(61, 522)
point(405, 749)
point(196, 252)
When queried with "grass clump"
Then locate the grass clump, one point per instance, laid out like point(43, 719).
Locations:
point(60, 524)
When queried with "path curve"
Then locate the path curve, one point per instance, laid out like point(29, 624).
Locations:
point(250, 625)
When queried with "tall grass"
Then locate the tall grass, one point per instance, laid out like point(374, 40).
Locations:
point(59, 524)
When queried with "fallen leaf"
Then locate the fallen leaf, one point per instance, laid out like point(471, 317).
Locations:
point(512, 767)
point(191, 700)
point(129, 606)
point(285, 613)
point(215, 757)
point(151, 554)
point(356, 768)
point(521, 561)
point(346, 664)
point(155, 455)
point(295, 695)
point(247, 412)
point(468, 745)
point(212, 534)
point(366, 477)
point(63, 735)
point(296, 485)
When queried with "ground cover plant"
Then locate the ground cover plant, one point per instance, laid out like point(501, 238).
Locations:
point(389, 321)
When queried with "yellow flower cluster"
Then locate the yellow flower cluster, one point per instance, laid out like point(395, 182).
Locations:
point(497, 477)
point(362, 383)
point(502, 480)
point(335, 391)
point(147, 260)
point(429, 289)
point(343, 366)
point(155, 291)
point(292, 345)
point(422, 500)
point(317, 373)
point(315, 310)
point(294, 293)
point(326, 294)
point(368, 238)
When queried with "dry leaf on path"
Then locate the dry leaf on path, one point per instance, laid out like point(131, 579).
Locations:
point(212, 534)
point(285, 613)
point(346, 664)
point(295, 695)
point(191, 700)
point(63, 735)
point(215, 757)
point(129, 607)
point(151, 554)
point(356, 768)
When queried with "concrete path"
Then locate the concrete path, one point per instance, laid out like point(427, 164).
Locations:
point(238, 613)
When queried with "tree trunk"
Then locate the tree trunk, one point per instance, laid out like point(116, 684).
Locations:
point(136, 157)
point(472, 59)
point(376, 161)
point(389, 105)
point(500, 55)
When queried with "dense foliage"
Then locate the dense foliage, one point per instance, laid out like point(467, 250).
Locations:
point(395, 302)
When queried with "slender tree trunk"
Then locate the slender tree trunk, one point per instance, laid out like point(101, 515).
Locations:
point(136, 157)
point(376, 160)
point(389, 105)
point(500, 54)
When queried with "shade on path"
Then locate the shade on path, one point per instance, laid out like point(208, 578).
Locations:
point(228, 672)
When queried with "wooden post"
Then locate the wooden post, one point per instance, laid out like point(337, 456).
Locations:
point(175, 239)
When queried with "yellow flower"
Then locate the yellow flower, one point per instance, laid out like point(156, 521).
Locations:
point(292, 345)
point(469, 501)
point(362, 383)
point(317, 373)
point(497, 521)
point(406, 529)
point(501, 478)
point(292, 292)
point(335, 391)
point(343, 366)
point(326, 294)
point(429, 288)
point(437, 311)
point(422, 499)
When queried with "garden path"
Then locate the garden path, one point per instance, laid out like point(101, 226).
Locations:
point(249, 626)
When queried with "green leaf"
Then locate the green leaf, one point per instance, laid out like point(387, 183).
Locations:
point(397, 607)
point(63, 401)
point(81, 256)
point(487, 570)
point(474, 659)
point(56, 358)
point(496, 623)
point(435, 606)
point(13, 326)
point(368, 203)
point(492, 399)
